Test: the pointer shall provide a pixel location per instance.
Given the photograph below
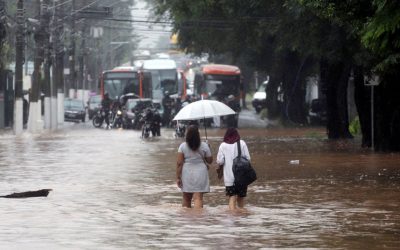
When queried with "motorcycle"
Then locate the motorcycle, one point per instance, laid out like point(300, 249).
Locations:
point(133, 119)
point(146, 129)
point(99, 118)
point(116, 121)
point(151, 121)
point(180, 130)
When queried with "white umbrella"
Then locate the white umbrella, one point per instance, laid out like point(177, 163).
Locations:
point(203, 109)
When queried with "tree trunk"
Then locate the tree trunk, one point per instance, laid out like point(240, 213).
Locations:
point(335, 78)
point(294, 89)
point(272, 102)
point(387, 115)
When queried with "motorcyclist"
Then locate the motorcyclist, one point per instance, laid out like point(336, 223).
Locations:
point(178, 105)
point(106, 106)
point(186, 101)
point(156, 124)
point(153, 118)
point(148, 115)
point(167, 103)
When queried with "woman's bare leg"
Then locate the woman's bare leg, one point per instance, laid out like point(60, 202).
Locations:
point(198, 200)
point(187, 200)
point(232, 202)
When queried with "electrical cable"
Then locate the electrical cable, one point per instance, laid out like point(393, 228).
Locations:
point(61, 4)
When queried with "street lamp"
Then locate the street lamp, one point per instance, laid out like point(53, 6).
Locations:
point(372, 81)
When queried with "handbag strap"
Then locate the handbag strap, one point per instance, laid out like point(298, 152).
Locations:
point(204, 160)
point(239, 150)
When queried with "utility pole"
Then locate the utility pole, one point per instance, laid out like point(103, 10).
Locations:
point(3, 25)
point(19, 61)
point(3, 35)
point(45, 19)
point(83, 92)
point(72, 78)
point(81, 65)
point(35, 110)
point(57, 88)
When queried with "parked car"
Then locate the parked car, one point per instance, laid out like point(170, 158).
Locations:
point(139, 104)
point(317, 112)
point(94, 104)
point(74, 110)
point(260, 97)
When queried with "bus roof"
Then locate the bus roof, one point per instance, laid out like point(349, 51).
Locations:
point(220, 69)
point(125, 69)
point(159, 64)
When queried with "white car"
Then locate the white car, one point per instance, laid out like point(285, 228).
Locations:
point(260, 97)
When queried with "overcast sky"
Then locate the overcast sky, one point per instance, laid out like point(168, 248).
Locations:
point(150, 34)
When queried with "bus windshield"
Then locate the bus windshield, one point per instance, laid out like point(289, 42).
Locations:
point(221, 86)
point(120, 83)
point(164, 80)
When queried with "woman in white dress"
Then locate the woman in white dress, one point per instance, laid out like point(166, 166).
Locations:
point(191, 170)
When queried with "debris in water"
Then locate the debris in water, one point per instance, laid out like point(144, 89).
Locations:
point(28, 194)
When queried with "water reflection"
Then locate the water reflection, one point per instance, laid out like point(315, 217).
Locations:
point(113, 190)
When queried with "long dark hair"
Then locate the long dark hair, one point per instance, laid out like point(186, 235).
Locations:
point(193, 137)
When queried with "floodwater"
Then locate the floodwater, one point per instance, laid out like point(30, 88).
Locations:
point(113, 190)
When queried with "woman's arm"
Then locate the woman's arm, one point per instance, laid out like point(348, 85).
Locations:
point(220, 156)
point(209, 159)
point(207, 152)
point(179, 165)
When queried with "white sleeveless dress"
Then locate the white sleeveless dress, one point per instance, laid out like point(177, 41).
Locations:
point(194, 172)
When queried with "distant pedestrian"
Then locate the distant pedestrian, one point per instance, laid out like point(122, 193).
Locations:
point(192, 171)
point(232, 120)
point(106, 104)
point(226, 153)
point(167, 104)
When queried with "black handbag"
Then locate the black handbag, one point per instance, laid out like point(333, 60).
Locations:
point(243, 172)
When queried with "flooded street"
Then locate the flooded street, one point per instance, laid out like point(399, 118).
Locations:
point(113, 190)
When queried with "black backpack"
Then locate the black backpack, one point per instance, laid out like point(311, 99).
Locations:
point(243, 172)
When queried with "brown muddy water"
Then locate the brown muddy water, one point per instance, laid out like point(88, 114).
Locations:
point(113, 190)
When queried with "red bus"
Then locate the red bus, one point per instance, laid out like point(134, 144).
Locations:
point(123, 80)
point(217, 81)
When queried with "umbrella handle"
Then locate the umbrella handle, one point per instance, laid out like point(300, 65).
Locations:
point(205, 127)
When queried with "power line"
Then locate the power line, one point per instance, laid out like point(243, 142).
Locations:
point(61, 4)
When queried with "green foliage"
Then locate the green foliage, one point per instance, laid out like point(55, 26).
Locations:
point(274, 35)
point(355, 127)
point(382, 35)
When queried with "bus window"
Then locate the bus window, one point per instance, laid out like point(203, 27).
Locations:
point(213, 87)
point(221, 86)
point(164, 80)
point(117, 83)
point(113, 87)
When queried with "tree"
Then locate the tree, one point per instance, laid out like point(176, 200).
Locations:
point(374, 27)
point(295, 38)
point(249, 33)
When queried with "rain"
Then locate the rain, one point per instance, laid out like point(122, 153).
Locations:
point(96, 97)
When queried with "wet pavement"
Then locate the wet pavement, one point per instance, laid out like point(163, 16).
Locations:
point(113, 190)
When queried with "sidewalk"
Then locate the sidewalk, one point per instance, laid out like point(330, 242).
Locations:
point(248, 118)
